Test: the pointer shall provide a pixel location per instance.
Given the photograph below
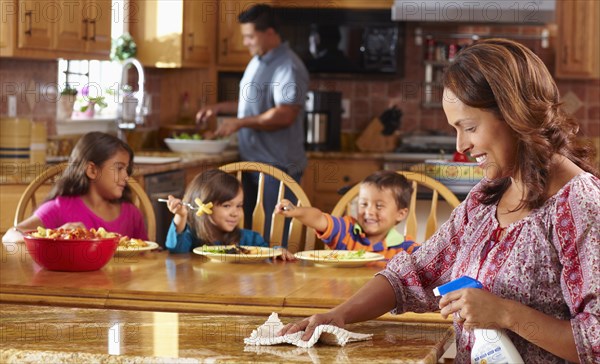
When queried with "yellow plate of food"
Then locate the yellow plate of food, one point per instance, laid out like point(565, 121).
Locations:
point(236, 254)
point(339, 258)
point(127, 244)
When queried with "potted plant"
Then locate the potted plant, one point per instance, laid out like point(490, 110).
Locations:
point(86, 104)
point(66, 100)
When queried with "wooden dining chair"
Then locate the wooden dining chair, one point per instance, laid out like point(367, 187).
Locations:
point(420, 183)
point(36, 192)
point(300, 237)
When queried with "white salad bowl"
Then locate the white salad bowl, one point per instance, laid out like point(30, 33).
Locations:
point(196, 146)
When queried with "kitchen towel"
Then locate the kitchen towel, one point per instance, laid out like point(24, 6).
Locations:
point(266, 334)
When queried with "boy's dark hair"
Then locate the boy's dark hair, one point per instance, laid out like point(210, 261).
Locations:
point(400, 186)
point(262, 16)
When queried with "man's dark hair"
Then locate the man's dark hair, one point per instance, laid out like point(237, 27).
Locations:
point(262, 16)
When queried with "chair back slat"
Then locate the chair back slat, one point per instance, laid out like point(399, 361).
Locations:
point(277, 220)
point(258, 214)
point(410, 229)
point(431, 226)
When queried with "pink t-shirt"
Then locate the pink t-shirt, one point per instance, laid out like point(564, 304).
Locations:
point(64, 209)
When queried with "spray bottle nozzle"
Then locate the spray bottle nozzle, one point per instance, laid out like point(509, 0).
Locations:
point(459, 283)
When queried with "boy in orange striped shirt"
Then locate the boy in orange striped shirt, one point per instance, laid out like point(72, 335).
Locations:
point(383, 201)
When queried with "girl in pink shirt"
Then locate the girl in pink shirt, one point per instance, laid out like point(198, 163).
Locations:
point(92, 192)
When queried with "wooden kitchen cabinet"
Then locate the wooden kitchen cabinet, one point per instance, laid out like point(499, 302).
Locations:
point(57, 28)
point(231, 52)
point(87, 27)
point(174, 33)
point(324, 177)
point(34, 27)
point(346, 4)
point(578, 51)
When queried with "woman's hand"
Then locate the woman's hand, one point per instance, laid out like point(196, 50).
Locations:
point(476, 308)
point(310, 324)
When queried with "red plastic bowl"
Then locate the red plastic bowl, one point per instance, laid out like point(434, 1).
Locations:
point(71, 255)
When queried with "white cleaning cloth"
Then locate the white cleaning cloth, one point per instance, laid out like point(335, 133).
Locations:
point(266, 334)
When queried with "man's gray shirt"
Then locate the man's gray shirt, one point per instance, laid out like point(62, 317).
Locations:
point(277, 78)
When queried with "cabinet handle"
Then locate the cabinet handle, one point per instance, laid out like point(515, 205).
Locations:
point(29, 14)
point(93, 37)
point(565, 59)
point(191, 44)
point(85, 34)
point(225, 41)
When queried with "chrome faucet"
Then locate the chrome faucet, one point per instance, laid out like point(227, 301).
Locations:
point(123, 121)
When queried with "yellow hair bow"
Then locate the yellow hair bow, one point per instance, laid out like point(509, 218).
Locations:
point(203, 208)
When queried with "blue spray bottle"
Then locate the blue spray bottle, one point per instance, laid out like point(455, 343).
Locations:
point(491, 346)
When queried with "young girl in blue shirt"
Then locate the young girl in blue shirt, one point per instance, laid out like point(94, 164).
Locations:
point(220, 199)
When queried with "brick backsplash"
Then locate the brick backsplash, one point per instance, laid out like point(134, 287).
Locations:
point(34, 84)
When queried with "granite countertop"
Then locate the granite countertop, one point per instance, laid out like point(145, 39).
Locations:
point(25, 173)
point(43, 334)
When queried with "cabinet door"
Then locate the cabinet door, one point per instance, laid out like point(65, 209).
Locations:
point(71, 31)
point(199, 24)
point(6, 25)
point(34, 23)
point(231, 49)
point(578, 53)
point(98, 21)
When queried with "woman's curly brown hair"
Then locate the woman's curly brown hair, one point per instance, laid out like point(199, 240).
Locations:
point(508, 79)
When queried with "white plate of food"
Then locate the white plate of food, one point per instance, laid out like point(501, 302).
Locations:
point(236, 254)
point(339, 258)
point(128, 245)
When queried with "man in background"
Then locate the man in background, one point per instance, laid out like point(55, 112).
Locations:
point(270, 108)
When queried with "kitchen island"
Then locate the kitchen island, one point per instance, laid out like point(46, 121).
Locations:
point(41, 334)
point(186, 308)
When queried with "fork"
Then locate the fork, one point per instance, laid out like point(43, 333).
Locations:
point(186, 204)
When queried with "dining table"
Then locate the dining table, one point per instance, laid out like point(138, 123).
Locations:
point(139, 287)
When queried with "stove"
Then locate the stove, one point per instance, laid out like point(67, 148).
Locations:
point(432, 144)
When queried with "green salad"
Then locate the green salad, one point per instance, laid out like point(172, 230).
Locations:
point(343, 255)
point(226, 250)
point(188, 136)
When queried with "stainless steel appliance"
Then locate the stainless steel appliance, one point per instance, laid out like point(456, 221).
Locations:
point(323, 120)
point(161, 185)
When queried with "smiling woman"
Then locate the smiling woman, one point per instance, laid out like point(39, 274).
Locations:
point(528, 232)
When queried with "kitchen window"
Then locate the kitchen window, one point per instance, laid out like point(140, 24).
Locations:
point(100, 76)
